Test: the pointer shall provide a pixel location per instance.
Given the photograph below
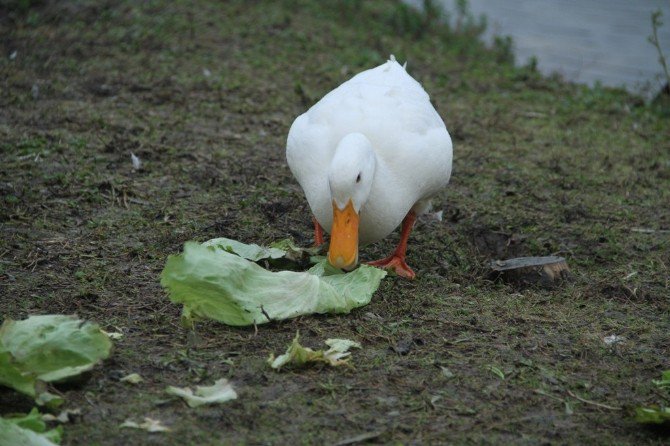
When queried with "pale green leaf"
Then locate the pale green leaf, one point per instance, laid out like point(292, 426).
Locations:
point(116, 335)
point(653, 415)
point(133, 378)
point(149, 425)
point(298, 355)
point(496, 371)
point(342, 345)
point(27, 430)
point(44, 398)
point(293, 252)
point(664, 382)
point(216, 284)
point(251, 252)
point(220, 392)
point(12, 376)
point(63, 416)
point(446, 372)
point(656, 414)
point(48, 348)
point(295, 354)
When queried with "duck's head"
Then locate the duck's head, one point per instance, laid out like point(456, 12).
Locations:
point(350, 179)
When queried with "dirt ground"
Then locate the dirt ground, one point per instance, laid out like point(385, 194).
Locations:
point(204, 95)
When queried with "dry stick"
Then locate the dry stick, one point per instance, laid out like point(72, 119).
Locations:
point(649, 230)
point(583, 400)
point(543, 393)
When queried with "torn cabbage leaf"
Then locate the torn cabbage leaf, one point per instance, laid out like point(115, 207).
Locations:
point(149, 425)
point(48, 348)
point(133, 378)
point(296, 354)
point(294, 252)
point(656, 414)
point(213, 283)
point(653, 415)
point(220, 392)
point(251, 251)
point(280, 249)
point(27, 430)
point(664, 382)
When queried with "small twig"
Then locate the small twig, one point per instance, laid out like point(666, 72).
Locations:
point(649, 230)
point(364, 437)
point(634, 273)
point(593, 403)
point(543, 393)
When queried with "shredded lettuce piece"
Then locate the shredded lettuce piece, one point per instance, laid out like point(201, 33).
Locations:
point(338, 353)
point(220, 392)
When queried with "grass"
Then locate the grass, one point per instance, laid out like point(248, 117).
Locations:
point(540, 167)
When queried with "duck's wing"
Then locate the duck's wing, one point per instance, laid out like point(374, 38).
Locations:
point(309, 151)
point(374, 99)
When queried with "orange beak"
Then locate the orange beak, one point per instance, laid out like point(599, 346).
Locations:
point(343, 251)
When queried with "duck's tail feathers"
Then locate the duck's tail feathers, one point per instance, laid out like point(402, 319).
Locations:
point(393, 59)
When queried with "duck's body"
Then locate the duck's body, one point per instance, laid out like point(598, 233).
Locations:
point(380, 124)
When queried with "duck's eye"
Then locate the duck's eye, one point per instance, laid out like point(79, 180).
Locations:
point(358, 178)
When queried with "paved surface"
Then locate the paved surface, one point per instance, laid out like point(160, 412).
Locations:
point(584, 40)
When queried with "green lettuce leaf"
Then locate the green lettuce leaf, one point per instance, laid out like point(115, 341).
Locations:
point(213, 283)
point(653, 415)
point(48, 348)
point(12, 376)
point(664, 382)
point(338, 353)
point(294, 252)
point(27, 430)
point(220, 392)
point(149, 425)
point(251, 252)
point(285, 248)
point(656, 414)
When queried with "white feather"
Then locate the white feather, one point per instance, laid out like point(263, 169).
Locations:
point(137, 163)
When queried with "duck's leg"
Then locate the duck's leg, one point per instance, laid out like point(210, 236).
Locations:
point(396, 261)
point(318, 233)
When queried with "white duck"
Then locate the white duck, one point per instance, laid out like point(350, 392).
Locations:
point(370, 155)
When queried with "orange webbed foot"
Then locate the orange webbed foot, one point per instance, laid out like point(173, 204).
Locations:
point(396, 264)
